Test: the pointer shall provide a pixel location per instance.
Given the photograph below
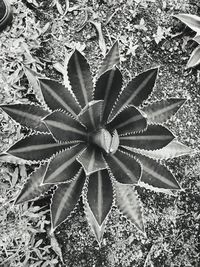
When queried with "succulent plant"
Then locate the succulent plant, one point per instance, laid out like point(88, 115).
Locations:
point(95, 142)
point(193, 22)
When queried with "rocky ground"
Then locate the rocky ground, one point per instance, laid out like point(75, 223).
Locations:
point(42, 36)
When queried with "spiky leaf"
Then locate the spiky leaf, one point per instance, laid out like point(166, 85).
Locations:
point(129, 204)
point(91, 115)
point(156, 174)
point(92, 160)
point(64, 127)
point(33, 187)
point(162, 110)
point(63, 167)
point(137, 90)
point(194, 59)
point(57, 96)
point(124, 167)
point(100, 195)
point(172, 150)
point(27, 115)
point(65, 199)
point(154, 137)
point(107, 88)
point(80, 78)
point(97, 229)
point(37, 147)
point(111, 59)
point(128, 121)
point(192, 21)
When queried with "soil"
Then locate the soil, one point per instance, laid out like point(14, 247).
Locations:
point(172, 222)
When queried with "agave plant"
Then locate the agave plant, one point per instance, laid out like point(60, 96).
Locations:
point(95, 142)
point(193, 22)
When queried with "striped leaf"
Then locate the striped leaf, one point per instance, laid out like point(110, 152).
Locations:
point(57, 96)
point(129, 204)
point(136, 91)
point(107, 88)
point(65, 198)
point(128, 121)
point(100, 195)
point(64, 128)
point(80, 78)
point(156, 175)
point(162, 110)
point(192, 21)
point(92, 160)
point(155, 137)
point(124, 167)
point(97, 229)
point(64, 166)
point(27, 115)
point(111, 59)
point(194, 59)
point(37, 147)
point(173, 150)
point(33, 187)
point(91, 115)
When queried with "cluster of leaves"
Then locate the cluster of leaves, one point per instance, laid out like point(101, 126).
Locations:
point(21, 237)
point(95, 142)
point(193, 22)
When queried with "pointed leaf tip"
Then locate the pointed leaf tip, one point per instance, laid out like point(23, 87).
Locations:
point(108, 87)
point(111, 59)
point(136, 91)
point(100, 195)
point(36, 148)
point(157, 175)
point(65, 198)
point(162, 110)
point(80, 78)
point(97, 229)
point(129, 204)
point(27, 115)
point(33, 189)
point(154, 137)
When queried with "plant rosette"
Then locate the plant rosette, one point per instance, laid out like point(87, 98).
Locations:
point(95, 142)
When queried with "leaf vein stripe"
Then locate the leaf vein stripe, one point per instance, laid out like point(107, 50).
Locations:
point(146, 137)
point(59, 99)
point(133, 119)
point(100, 194)
point(126, 170)
point(163, 110)
point(157, 175)
point(81, 79)
point(61, 168)
point(23, 113)
point(138, 89)
point(65, 127)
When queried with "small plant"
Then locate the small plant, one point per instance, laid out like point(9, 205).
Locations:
point(95, 142)
point(193, 22)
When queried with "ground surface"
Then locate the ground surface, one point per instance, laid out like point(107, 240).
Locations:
point(42, 36)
